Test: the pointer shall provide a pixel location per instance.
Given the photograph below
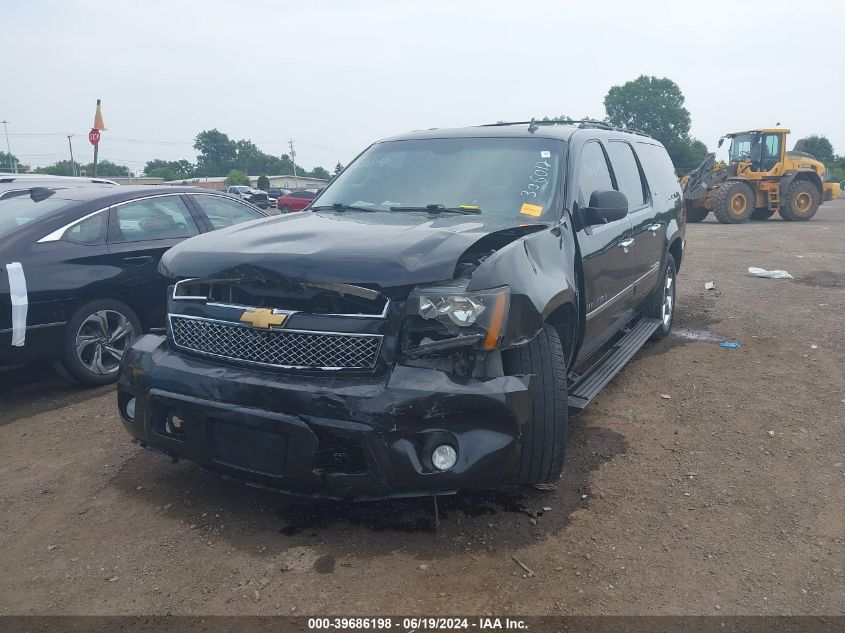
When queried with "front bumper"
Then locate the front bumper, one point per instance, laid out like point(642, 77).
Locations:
point(340, 436)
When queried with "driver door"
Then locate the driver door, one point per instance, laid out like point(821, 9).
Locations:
point(140, 231)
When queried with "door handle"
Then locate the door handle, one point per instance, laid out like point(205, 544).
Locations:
point(138, 261)
point(626, 244)
point(654, 228)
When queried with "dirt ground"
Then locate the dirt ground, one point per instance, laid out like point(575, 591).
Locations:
point(703, 480)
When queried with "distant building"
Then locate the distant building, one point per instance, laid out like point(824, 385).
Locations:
point(283, 182)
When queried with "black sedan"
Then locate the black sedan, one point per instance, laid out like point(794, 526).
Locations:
point(79, 274)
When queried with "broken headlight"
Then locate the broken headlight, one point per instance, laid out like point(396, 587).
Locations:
point(444, 317)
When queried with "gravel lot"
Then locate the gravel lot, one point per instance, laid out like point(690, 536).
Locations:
point(703, 480)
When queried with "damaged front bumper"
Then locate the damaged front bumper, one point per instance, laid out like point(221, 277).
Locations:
point(336, 435)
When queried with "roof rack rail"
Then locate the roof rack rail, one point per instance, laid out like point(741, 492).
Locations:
point(581, 123)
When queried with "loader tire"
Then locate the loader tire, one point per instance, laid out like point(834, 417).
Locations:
point(734, 203)
point(802, 202)
point(761, 214)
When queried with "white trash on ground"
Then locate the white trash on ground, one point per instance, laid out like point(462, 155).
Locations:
point(769, 274)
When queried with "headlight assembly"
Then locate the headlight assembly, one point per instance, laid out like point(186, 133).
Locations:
point(454, 316)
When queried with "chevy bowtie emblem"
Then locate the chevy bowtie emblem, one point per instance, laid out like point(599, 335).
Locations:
point(262, 318)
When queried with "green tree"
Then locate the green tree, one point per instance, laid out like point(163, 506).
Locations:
point(107, 169)
point(60, 168)
point(236, 177)
point(837, 169)
point(319, 172)
point(819, 146)
point(169, 169)
point(337, 169)
point(218, 154)
point(263, 183)
point(656, 106)
point(689, 155)
point(547, 120)
point(8, 162)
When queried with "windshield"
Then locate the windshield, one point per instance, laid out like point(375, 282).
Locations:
point(17, 210)
point(514, 177)
point(744, 146)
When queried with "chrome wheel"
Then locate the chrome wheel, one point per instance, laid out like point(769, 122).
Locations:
point(668, 297)
point(101, 341)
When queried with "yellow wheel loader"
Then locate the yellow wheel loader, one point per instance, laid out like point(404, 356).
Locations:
point(759, 179)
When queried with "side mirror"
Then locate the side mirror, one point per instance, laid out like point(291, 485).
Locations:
point(605, 206)
point(721, 141)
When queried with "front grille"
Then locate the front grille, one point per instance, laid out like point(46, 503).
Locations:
point(296, 349)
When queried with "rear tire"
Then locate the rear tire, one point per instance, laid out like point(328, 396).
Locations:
point(543, 441)
point(95, 338)
point(696, 215)
point(734, 202)
point(663, 299)
point(761, 214)
point(802, 202)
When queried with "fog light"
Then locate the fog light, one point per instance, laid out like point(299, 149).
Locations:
point(444, 457)
point(130, 409)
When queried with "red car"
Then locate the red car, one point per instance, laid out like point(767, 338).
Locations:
point(295, 201)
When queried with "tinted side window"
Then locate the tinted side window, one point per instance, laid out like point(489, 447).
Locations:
point(223, 212)
point(627, 173)
point(303, 194)
point(594, 174)
point(659, 171)
point(771, 151)
point(90, 231)
point(159, 218)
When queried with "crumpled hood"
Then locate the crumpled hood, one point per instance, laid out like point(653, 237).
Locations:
point(387, 249)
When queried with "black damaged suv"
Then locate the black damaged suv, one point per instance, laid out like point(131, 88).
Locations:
point(426, 325)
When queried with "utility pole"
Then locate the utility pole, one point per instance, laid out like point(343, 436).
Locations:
point(13, 166)
point(293, 160)
point(72, 164)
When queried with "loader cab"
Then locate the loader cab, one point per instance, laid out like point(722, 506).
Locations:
point(757, 151)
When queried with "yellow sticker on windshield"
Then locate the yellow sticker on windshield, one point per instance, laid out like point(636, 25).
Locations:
point(533, 210)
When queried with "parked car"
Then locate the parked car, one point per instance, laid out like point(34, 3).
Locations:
point(253, 196)
point(427, 325)
point(15, 181)
point(275, 192)
point(295, 200)
point(79, 273)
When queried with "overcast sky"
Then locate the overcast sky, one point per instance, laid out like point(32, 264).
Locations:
point(335, 75)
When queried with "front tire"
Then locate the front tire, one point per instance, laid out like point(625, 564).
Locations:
point(285, 209)
point(734, 203)
point(543, 442)
point(663, 300)
point(802, 202)
point(96, 336)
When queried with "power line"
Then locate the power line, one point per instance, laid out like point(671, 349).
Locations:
point(309, 144)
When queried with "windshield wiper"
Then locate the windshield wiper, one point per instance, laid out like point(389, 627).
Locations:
point(339, 206)
point(439, 208)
